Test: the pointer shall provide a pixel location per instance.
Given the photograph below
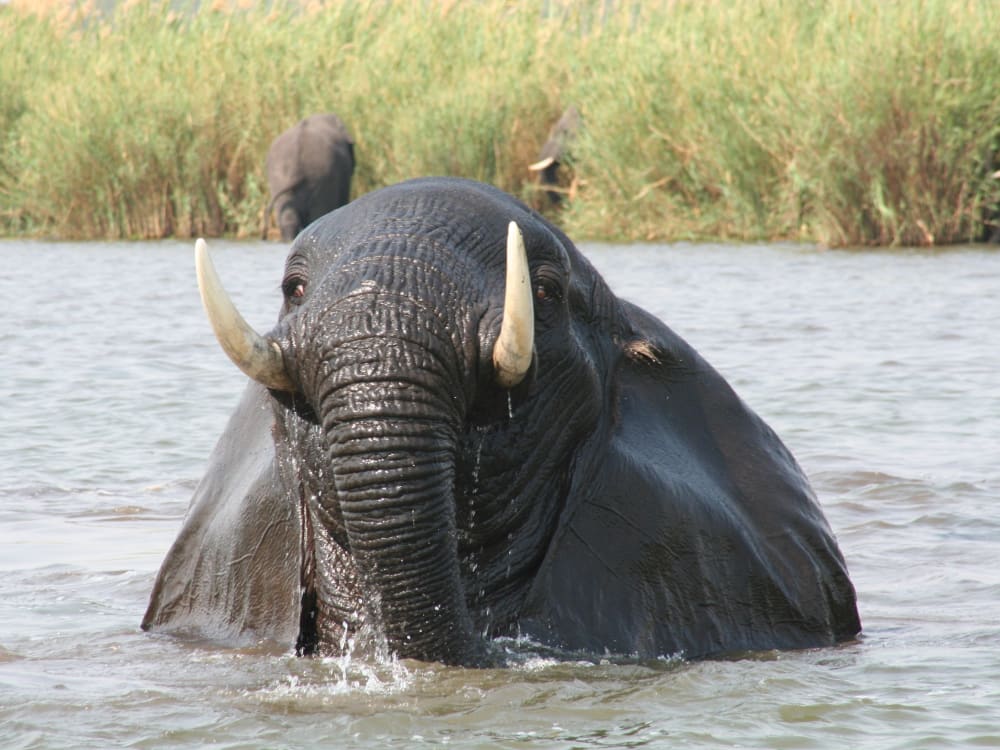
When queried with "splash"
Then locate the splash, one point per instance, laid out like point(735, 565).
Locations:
point(328, 679)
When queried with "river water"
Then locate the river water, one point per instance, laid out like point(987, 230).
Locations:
point(881, 370)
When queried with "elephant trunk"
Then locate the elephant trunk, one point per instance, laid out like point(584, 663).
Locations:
point(391, 445)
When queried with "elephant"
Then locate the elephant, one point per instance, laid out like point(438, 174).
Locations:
point(554, 153)
point(309, 169)
point(455, 434)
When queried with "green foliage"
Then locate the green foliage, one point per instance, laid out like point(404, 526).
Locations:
point(844, 122)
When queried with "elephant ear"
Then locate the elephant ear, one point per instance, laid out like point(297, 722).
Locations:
point(689, 528)
point(232, 574)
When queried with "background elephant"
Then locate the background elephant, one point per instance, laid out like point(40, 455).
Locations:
point(309, 169)
point(446, 441)
point(553, 155)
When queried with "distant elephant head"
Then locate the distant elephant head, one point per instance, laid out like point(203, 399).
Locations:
point(309, 169)
point(473, 437)
point(554, 155)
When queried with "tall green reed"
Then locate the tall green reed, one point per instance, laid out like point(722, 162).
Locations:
point(841, 122)
point(844, 122)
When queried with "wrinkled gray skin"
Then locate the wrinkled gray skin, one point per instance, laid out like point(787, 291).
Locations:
point(309, 169)
point(620, 499)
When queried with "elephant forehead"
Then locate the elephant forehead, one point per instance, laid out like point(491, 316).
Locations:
point(426, 271)
point(444, 216)
point(388, 372)
point(372, 334)
point(371, 311)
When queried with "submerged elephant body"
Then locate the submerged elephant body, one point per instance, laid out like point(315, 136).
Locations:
point(391, 478)
point(309, 169)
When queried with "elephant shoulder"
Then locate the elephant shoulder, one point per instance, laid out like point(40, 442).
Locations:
point(690, 528)
point(232, 573)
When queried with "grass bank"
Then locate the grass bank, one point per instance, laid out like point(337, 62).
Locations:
point(844, 122)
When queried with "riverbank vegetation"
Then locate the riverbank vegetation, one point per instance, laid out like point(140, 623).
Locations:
point(843, 122)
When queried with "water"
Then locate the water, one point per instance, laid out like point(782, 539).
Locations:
point(881, 370)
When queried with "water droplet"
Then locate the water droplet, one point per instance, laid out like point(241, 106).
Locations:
point(343, 637)
point(475, 468)
point(510, 406)
point(346, 652)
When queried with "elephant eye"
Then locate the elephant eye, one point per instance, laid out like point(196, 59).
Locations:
point(547, 290)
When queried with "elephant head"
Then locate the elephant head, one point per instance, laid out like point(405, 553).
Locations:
point(405, 376)
point(471, 436)
point(553, 155)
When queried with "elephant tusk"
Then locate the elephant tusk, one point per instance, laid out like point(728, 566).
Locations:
point(257, 357)
point(516, 343)
point(545, 163)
